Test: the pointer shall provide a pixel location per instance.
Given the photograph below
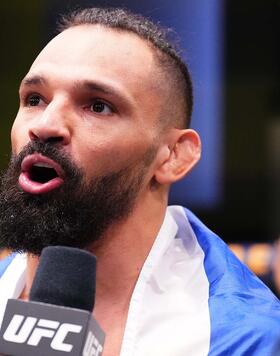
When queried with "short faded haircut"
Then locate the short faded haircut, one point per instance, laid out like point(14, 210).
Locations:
point(176, 73)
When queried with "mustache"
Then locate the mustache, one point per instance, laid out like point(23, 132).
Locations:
point(49, 150)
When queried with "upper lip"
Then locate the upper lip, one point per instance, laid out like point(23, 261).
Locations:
point(37, 158)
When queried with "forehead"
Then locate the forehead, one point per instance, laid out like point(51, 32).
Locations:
point(94, 51)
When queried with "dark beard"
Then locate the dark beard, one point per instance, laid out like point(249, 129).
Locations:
point(76, 214)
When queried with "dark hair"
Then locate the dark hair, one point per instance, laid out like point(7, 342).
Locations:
point(168, 56)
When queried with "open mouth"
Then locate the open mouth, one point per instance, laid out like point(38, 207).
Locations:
point(40, 174)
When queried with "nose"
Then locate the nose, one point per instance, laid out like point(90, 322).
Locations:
point(52, 124)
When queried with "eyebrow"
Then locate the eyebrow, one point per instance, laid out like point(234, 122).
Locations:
point(88, 85)
point(97, 87)
point(33, 80)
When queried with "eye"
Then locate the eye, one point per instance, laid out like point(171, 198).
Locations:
point(33, 100)
point(100, 107)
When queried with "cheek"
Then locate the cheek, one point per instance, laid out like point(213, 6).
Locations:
point(19, 136)
point(110, 153)
point(98, 156)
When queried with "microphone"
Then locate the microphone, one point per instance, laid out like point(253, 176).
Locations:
point(57, 320)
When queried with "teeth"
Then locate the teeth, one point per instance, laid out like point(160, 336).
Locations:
point(41, 164)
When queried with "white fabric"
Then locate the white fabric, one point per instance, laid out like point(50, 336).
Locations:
point(168, 313)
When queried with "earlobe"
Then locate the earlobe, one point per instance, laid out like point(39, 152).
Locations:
point(183, 154)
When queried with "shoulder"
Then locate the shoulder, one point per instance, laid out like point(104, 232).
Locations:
point(225, 272)
point(244, 313)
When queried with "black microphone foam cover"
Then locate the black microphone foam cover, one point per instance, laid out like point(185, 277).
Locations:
point(65, 276)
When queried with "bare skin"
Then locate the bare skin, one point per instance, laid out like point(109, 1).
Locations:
point(103, 142)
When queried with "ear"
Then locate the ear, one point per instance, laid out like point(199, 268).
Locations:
point(179, 157)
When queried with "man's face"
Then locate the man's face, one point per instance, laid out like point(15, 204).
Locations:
point(92, 90)
point(83, 141)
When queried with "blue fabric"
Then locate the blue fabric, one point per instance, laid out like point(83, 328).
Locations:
point(244, 313)
point(5, 263)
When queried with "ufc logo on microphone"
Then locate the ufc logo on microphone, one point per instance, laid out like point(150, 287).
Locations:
point(92, 346)
point(32, 330)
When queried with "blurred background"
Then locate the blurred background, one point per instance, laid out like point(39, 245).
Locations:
point(232, 48)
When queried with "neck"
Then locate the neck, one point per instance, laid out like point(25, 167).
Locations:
point(121, 253)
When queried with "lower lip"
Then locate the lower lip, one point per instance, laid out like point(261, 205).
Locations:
point(29, 186)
